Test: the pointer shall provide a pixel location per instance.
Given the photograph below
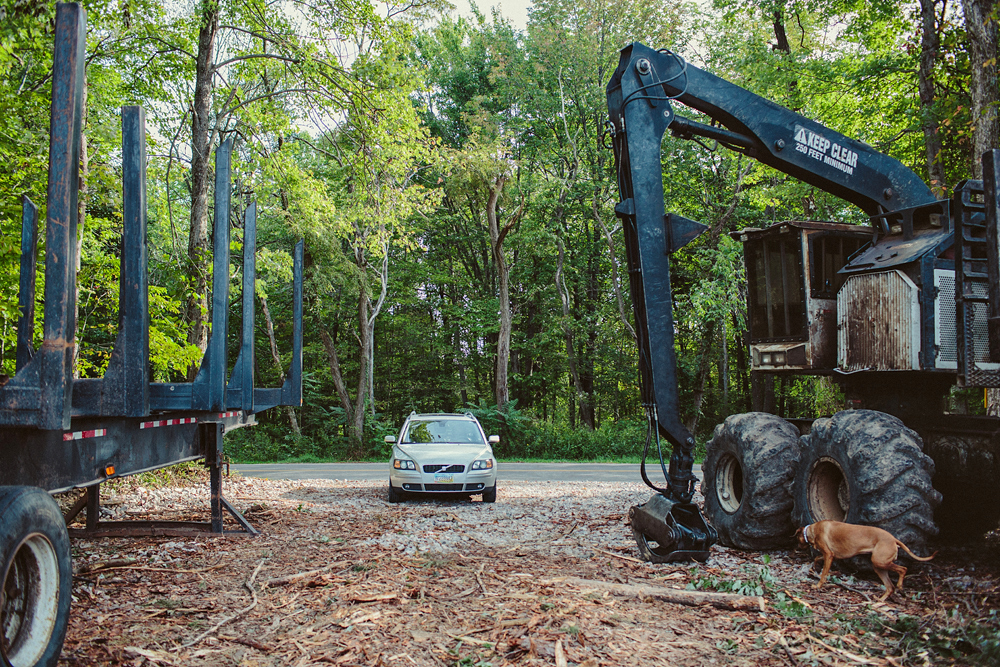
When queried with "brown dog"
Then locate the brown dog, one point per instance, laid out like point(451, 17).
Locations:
point(835, 539)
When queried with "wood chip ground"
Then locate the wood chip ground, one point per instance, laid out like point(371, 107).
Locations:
point(331, 581)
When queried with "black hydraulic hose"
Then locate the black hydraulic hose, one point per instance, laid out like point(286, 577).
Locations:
point(651, 420)
point(636, 94)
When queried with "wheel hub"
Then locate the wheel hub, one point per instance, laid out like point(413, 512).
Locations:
point(30, 601)
point(828, 492)
point(729, 483)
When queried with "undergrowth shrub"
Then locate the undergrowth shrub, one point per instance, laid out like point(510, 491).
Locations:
point(521, 437)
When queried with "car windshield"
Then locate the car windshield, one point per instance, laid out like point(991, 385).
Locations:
point(443, 430)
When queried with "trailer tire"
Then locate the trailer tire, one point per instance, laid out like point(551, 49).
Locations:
point(748, 470)
point(866, 467)
point(37, 577)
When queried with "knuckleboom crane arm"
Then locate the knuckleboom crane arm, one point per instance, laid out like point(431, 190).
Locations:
point(640, 95)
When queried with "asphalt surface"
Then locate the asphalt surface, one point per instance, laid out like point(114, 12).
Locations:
point(515, 472)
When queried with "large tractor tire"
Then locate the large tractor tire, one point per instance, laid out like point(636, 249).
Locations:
point(866, 467)
point(37, 577)
point(966, 471)
point(747, 480)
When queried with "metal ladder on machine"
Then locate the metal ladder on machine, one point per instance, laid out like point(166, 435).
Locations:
point(977, 268)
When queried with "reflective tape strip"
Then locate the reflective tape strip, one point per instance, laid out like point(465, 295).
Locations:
point(80, 435)
point(233, 413)
point(169, 422)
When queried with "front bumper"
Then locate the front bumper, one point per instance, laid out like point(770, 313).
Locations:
point(414, 481)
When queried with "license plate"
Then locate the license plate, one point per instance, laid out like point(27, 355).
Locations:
point(442, 478)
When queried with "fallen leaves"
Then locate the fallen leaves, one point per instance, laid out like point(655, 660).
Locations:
point(338, 591)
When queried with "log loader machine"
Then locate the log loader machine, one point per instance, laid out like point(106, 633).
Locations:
point(58, 432)
point(897, 312)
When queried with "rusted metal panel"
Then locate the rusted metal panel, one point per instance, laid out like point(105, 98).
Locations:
point(878, 322)
point(821, 346)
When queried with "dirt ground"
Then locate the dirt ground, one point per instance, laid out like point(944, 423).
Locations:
point(314, 589)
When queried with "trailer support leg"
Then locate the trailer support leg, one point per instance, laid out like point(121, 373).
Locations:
point(212, 434)
point(93, 506)
point(212, 437)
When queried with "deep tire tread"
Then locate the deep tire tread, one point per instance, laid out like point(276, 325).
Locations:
point(767, 448)
point(888, 474)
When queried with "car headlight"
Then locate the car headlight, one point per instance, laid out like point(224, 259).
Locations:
point(485, 464)
point(403, 464)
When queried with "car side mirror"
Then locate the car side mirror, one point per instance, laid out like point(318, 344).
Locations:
point(494, 439)
point(391, 439)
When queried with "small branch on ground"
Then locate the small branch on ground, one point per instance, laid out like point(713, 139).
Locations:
point(249, 584)
point(677, 596)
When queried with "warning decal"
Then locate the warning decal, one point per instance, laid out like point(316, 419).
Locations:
point(820, 148)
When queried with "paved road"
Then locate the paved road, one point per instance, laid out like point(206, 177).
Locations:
point(515, 472)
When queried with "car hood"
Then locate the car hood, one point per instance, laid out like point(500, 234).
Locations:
point(444, 452)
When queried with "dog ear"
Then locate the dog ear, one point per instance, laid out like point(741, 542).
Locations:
point(798, 533)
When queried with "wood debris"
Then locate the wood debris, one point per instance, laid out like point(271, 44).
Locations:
point(339, 590)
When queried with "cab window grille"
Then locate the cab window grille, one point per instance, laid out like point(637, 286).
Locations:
point(828, 254)
point(776, 289)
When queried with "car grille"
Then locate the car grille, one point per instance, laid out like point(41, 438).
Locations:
point(443, 467)
point(442, 487)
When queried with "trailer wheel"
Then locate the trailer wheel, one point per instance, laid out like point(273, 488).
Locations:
point(747, 478)
point(37, 577)
point(866, 467)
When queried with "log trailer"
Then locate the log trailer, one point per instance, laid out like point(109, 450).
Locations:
point(896, 312)
point(58, 432)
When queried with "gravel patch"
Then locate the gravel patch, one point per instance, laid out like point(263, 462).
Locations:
point(562, 519)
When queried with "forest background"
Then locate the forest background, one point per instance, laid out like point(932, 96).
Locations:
point(453, 181)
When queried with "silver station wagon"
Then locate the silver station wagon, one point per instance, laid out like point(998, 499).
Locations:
point(442, 453)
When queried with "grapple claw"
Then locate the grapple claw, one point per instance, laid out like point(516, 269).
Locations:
point(667, 531)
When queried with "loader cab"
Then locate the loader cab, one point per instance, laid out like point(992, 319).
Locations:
point(793, 275)
point(900, 308)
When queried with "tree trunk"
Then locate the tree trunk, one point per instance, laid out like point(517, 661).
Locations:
point(762, 390)
point(704, 366)
point(724, 369)
point(329, 346)
point(497, 236)
point(993, 402)
point(780, 37)
point(981, 28)
point(929, 46)
point(615, 282)
point(586, 410)
point(201, 176)
point(375, 310)
point(741, 361)
point(356, 420)
point(354, 412)
point(289, 410)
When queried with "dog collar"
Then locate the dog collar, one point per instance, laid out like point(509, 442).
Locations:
point(805, 533)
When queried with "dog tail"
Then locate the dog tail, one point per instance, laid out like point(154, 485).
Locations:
point(913, 555)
